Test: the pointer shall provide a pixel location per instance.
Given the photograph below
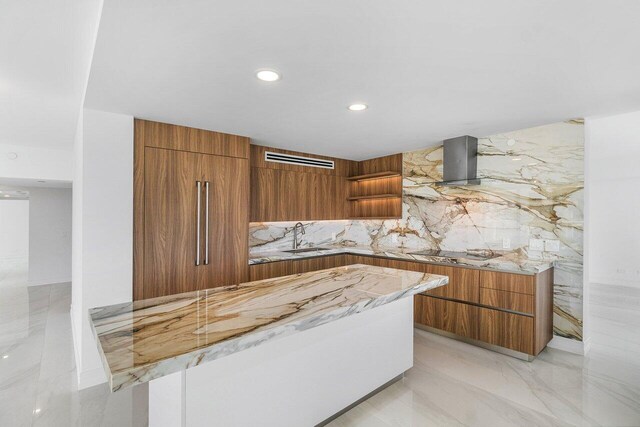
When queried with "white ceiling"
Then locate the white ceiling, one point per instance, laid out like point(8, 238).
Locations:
point(38, 102)
point(428, 69)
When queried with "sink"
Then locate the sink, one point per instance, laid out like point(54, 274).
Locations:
point(303, 250)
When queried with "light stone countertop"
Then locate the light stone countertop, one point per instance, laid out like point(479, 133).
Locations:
point(510, 262)
point(149, 339)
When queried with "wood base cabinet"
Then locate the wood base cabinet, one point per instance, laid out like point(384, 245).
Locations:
point(285, 268)
point(509, 330)
point(508, 310)
point(457, 318)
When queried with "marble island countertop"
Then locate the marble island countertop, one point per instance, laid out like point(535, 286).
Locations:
point(510, 262)
point(149, 339)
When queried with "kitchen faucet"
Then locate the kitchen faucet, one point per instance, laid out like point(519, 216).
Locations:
point(295, 234)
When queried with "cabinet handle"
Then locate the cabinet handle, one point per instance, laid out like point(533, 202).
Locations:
point(199, 188)
point(206, 224)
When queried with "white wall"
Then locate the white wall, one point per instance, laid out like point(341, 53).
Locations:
point(102, 227)
point(14, 229)
point(613, 202)
point(36, 163)
point(49, 236)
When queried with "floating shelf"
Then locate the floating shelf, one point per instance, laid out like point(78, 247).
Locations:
point(377, 175)
point(375, 196)
point(375, 217)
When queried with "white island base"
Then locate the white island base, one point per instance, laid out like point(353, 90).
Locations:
point(301, 379)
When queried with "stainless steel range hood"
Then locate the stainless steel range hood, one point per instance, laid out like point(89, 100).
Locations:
point(460, 161)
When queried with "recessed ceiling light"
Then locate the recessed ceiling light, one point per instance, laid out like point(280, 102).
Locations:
point(6, 356)
point(358, 107)
point(6, 195)
point(268, 75)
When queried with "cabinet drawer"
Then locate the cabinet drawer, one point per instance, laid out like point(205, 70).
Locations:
point(285, 268)
point(508, 330)
point(463, 282)
point(514, 301)
point(455, 317)
point(508, 282)
point(270, 269)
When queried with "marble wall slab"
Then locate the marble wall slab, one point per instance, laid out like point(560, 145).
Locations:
point(532, 188)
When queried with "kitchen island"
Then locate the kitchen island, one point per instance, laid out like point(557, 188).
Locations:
point(291, 350)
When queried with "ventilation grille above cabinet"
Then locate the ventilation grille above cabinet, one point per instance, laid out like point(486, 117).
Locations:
point(270, 156)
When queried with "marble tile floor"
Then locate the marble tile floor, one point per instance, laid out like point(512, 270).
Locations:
point(451, 383)
point(37, 367)
point(614, 313)
point(454, 384)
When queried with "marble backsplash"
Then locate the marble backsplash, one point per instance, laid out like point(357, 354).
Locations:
point(532, 188)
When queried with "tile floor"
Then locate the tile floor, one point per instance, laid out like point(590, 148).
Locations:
point(451, 384)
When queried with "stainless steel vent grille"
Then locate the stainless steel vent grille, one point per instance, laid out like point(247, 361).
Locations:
point(270, 156)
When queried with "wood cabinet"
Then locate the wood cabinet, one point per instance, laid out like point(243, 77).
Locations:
point(509, 310)
point(289, 192)
point(509, 282)
point(457, 318)
point(284, 195)
point(476, 304)
point(512, 301)
point(296, 192)
point(170, 201)
point(508, 330)
point(463, 282)
point(284, 268)
point(190, 210)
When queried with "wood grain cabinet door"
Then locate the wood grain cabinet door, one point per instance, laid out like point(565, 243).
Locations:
point(508, 330)
point(463, 283)
point(170, 221)
point(455, 317)
point(225, 206)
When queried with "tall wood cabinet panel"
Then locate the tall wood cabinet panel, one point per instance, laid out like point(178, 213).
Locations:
point(228, 242)
point(170, 222)
point(166, 227)
point(174, 137)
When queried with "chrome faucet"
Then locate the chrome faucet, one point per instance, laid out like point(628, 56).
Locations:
point(295, 234)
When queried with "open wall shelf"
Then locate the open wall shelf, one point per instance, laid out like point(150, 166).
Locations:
point(374, 196)
point(377, 175)
point(376, 192)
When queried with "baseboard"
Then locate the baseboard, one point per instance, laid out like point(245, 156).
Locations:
point(613, 280)
point(567, 344)
point(90, 378)
point(76, 344)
